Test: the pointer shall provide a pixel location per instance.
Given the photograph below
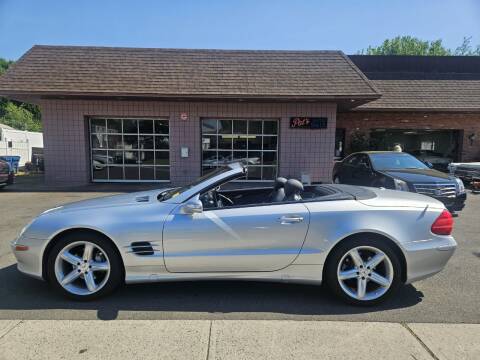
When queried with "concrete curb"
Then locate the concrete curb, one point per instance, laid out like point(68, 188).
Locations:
point(232, 339)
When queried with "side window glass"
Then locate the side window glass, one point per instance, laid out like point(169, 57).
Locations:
point(353, 160)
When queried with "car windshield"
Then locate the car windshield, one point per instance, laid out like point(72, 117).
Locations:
point(389, 161)
point(171, 193)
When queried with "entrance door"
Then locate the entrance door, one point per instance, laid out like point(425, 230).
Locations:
point(254, 238)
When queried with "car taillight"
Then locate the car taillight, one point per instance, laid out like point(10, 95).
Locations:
point(444, 224)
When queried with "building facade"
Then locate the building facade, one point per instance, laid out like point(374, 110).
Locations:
point(167, 115)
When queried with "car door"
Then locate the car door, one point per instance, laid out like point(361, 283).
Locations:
point(347, 169)
point(245, 238)
point(362, 174)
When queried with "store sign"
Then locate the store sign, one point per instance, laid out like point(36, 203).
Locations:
point(308, 122)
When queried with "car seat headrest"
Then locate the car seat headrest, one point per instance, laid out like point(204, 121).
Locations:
point(279, 183)
point(293, 187)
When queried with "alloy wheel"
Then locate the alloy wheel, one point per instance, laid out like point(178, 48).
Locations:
point(365, 273)
point(82, 268)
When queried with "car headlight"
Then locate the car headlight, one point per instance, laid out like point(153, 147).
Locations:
point(400, 185)
point(460, 186)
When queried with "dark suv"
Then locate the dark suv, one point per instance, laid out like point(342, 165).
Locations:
point(6, 174)
point(400, 171)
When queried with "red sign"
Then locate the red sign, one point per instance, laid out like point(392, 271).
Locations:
point(183, 116)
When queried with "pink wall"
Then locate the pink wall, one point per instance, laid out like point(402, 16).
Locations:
point(67, 145)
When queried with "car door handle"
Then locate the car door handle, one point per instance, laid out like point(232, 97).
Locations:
point(289, 219)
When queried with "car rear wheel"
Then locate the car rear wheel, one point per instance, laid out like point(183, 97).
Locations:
point(363, 271)
point(84, 266)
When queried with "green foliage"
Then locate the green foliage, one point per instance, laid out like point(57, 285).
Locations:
point(409, 45)
point(18, 115)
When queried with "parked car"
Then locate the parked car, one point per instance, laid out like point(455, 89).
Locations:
point(337, 233)
point(400, 171)
point(466, 171)
point(7, 175)
point(438, 160)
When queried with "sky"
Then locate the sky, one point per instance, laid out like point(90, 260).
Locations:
point(348, 25)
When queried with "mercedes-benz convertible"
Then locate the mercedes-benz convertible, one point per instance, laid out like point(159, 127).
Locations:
point(363, 243)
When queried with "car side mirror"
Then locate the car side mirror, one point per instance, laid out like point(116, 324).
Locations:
point(193, 206)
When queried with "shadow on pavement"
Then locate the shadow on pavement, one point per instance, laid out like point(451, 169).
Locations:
point(19, 292)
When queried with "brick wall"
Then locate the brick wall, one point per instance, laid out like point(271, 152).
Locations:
point(364, 121)
point(67, 156)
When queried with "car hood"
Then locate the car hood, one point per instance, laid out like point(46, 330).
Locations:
point(418, 175)
point(135, 198)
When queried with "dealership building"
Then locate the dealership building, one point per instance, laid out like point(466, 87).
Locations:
point(170, 115)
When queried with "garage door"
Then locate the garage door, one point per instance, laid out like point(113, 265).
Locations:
point(129, 150)
point(252, 140)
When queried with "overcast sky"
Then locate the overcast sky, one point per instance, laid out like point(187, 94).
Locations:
point(348, 25)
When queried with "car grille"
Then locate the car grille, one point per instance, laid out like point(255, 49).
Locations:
point(436, 190)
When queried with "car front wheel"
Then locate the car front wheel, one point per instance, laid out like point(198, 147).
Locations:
point(363, 271)
point(84, 266)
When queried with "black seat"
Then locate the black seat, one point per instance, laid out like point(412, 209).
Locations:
point(278, 193)
point(293, 190)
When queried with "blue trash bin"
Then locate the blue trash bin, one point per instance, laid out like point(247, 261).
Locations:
point(13, 161)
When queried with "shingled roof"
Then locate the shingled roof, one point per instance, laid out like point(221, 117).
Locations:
point(422, 83)
point(104, 71)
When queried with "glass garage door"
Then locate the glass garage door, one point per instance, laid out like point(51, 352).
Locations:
point(225, 140)
point(129, 149)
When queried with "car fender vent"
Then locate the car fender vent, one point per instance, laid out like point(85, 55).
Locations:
point(145, 198)
point(142, 248)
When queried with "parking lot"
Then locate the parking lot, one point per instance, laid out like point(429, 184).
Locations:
point(449, 297)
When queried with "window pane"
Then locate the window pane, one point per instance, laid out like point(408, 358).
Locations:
point(269, 173)
point(254, 157)
point(99, 141)
point(209, 142)
point(209, 126)
point(208, 169)
point(225, 142)
point(130, 141)
point(115, 172)
point(225, 126)
point(146, 141)
point(270, 127)
point(130, 126)
point(115, 142)
point(161, 142)
point(255, 143)
point(145, 126)
point(209, 158)
point(98, 126)
point(239, 127)
point(131, 172)
point(239, 155)
point(240, 142)
point(162, 173)
point(161, 126)
point(162, 158)
point(147, 173)
point(254, 126)
point(224, 157)
point(131, 157)
point(115, 157)
point(269, 142)
point(114, 126)
point(147, 157)
point(269, 158)
point(254, 173)
point(100, 159)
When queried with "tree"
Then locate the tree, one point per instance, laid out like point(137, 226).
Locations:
point(466, 47)
point(16, 114)
point(408, 45)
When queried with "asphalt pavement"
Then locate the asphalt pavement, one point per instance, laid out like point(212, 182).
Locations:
point(449, 297)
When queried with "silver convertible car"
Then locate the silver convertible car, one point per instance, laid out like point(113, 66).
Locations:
point(362, 242)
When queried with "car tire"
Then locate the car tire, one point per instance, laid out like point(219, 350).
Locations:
point(343, 274)
point(103, 250)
